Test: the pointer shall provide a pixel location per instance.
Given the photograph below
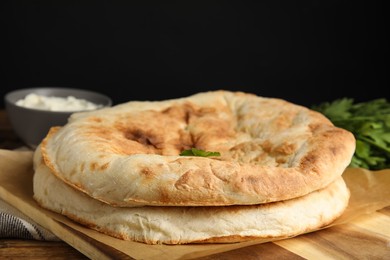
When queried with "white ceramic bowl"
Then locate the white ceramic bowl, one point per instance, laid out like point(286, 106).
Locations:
point(32, 124)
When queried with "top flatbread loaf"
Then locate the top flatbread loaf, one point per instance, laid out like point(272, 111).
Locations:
point(128, 155)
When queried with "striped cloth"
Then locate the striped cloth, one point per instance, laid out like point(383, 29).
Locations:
point(14, 224)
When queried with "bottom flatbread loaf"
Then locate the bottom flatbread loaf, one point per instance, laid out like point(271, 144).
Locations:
point(182, 225)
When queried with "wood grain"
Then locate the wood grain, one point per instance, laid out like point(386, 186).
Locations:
point(31, 249)
point(266, 251)
point(340, 242)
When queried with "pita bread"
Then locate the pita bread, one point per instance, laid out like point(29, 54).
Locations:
point(182, 225)
point(128, 155)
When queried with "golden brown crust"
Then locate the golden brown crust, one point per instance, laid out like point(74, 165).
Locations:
point(182, 225)
point(129, 154)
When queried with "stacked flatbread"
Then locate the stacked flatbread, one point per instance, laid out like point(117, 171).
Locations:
point(119, 170)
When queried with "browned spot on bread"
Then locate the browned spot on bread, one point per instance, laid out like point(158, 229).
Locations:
point(314, 127)
point(153, 132)
point(147, 173)
point(93, 166)
point(281, 160)
point(309, 159)
point(181, 113)
point(104, 166)
point(309, 162)
point(95, 119)
point(332, 132)
point(267, 146)
point(143, 137)
point(285, 148)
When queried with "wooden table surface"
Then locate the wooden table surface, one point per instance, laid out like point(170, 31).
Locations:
point(365, 238)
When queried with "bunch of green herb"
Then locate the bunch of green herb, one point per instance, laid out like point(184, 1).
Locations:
point(369, 122)
point(198, 152)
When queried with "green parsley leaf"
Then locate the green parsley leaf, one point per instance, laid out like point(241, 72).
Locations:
point(197, 152)
point(369, 122)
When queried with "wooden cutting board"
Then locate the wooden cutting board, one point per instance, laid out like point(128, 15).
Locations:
point(366, 236)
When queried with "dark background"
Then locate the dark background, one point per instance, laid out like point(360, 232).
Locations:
point(307, 52)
